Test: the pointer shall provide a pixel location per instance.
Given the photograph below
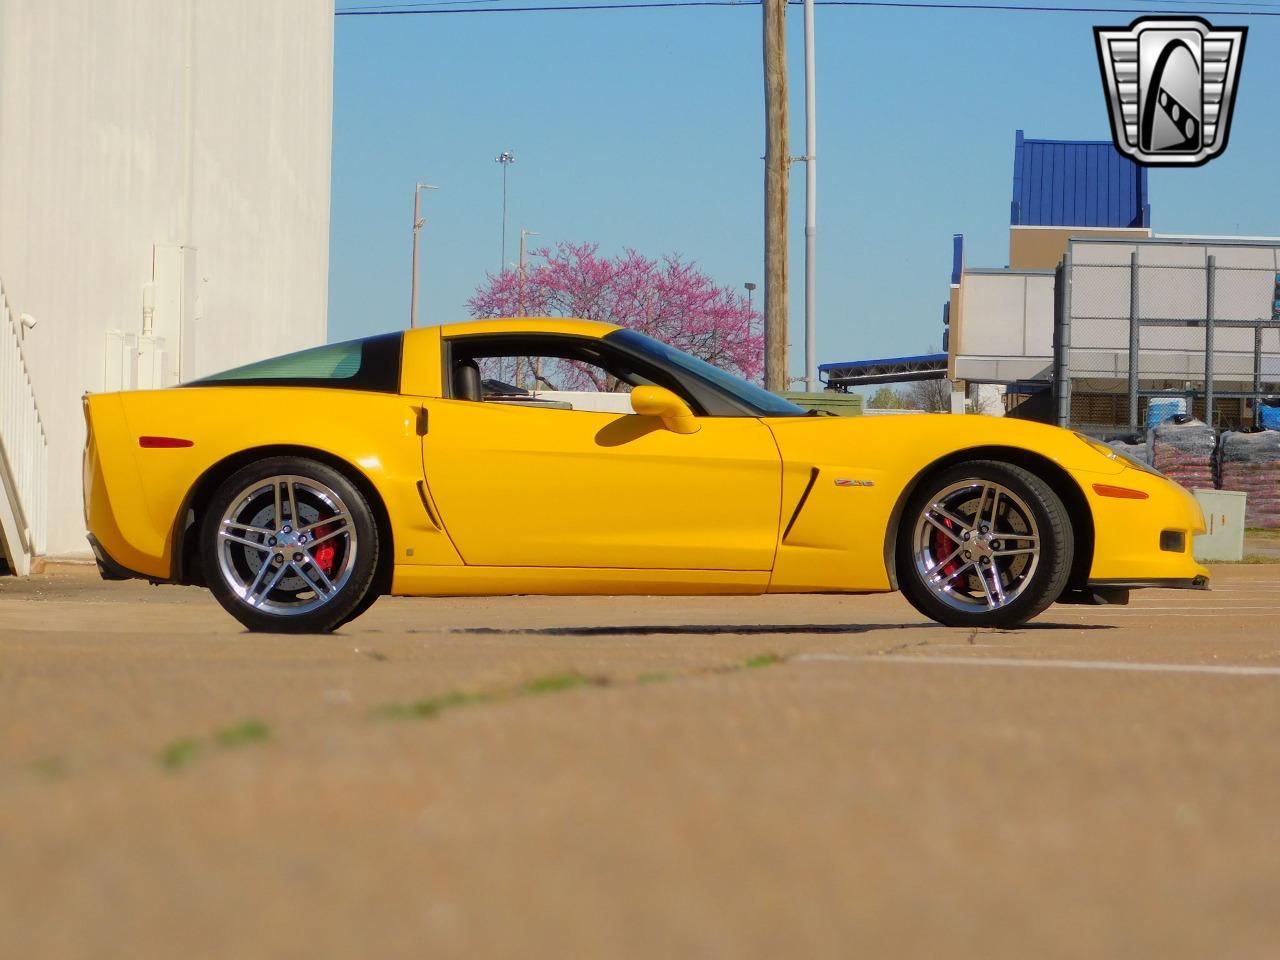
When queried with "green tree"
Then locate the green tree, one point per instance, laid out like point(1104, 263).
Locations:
point(886, 398)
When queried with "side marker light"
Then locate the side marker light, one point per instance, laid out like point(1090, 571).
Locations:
point(164, 443)
point(1120, 493)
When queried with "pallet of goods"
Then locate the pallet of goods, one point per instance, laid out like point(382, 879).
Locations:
point(1183, 449)
point(1250, 464)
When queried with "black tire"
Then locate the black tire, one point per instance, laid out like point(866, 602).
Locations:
point(309, 527)
point(984, 544)
point(371, 596)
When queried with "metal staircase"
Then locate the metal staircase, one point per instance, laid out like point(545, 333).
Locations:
point(24, 453)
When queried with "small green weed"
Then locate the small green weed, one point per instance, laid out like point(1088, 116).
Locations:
point(432, 707)
point(429, 707)
point(180, 753)
point(245, 732)
point(50, 768)
point(556, 683)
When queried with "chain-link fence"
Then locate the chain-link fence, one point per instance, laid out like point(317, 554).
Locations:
point(1201, 319)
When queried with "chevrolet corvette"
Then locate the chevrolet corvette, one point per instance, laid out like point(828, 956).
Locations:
point(555, 456)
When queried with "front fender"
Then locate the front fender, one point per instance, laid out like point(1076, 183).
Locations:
point(842, 519)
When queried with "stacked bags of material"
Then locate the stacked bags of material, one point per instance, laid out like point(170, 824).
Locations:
point(1134, 447)
point(1251, 464)
point(1182, 448)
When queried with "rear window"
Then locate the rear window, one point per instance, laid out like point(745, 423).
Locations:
point(369, 364)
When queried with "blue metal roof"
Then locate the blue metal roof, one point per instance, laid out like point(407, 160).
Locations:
point(862, 364)
point(1077, 183)
point(867, 373)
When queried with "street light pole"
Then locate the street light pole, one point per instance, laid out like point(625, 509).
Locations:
point(750, 288)
point(537, 361)
point(418, 221)
point(505, 158)
point(523, 234)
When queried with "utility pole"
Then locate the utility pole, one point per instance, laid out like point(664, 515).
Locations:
point(418, 221)
point(810, 206)
point(505, 158)
point(776, 163)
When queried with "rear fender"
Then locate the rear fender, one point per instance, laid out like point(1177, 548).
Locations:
point(186, 567)
point(155, 494)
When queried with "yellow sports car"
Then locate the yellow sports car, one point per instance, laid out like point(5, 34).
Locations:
point(573, 457)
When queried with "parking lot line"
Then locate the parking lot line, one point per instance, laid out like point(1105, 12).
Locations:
point(1181, 608)
point(1194, 668)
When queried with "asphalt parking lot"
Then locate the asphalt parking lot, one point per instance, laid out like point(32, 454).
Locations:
point(639, 777)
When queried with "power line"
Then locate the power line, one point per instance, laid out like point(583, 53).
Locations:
point(446, 7)
point(1189, 3)
point(392, 7)
point(422, 9)
point(1028, 8)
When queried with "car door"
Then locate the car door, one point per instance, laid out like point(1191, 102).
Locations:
point(519, 482)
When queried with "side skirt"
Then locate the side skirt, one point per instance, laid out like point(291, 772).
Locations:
point(429, 581)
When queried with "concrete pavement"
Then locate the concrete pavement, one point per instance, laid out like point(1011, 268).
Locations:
point(638, 777)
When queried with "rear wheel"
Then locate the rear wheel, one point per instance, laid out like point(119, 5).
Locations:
point(984, 544)
point(289, 545)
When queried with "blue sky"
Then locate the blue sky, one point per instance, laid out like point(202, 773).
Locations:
point(644, 129)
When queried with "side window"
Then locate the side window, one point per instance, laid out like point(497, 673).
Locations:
point(552, 381)
point(369, 364)
point(559, 373)
point(542, 372)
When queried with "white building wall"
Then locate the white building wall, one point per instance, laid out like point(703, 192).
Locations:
point(132, 125)
point(1005, 331)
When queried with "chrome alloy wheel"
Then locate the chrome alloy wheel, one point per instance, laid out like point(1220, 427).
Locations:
point(976, 546)
point(286, 545)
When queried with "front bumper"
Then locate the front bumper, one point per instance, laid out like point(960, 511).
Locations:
point(1194, 583)
point(1128, 551)
point(1115, 593)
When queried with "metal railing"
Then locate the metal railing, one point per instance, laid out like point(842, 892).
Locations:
point(24, 453)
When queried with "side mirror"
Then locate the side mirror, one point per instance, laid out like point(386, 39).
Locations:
point(661, 402)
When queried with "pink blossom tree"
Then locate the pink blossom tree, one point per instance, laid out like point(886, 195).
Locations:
point(670, 300)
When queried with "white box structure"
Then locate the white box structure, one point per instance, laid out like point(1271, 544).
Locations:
point(1224, 519)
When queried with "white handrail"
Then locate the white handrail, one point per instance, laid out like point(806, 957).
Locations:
point(24, 452)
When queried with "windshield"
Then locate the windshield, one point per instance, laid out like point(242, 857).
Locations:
point(758, 399)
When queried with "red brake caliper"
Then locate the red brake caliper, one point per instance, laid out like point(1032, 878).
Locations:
point(943, 546)
point(325, 553)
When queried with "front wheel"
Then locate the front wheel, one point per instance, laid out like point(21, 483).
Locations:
point(984, 544)
point(289, 545)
